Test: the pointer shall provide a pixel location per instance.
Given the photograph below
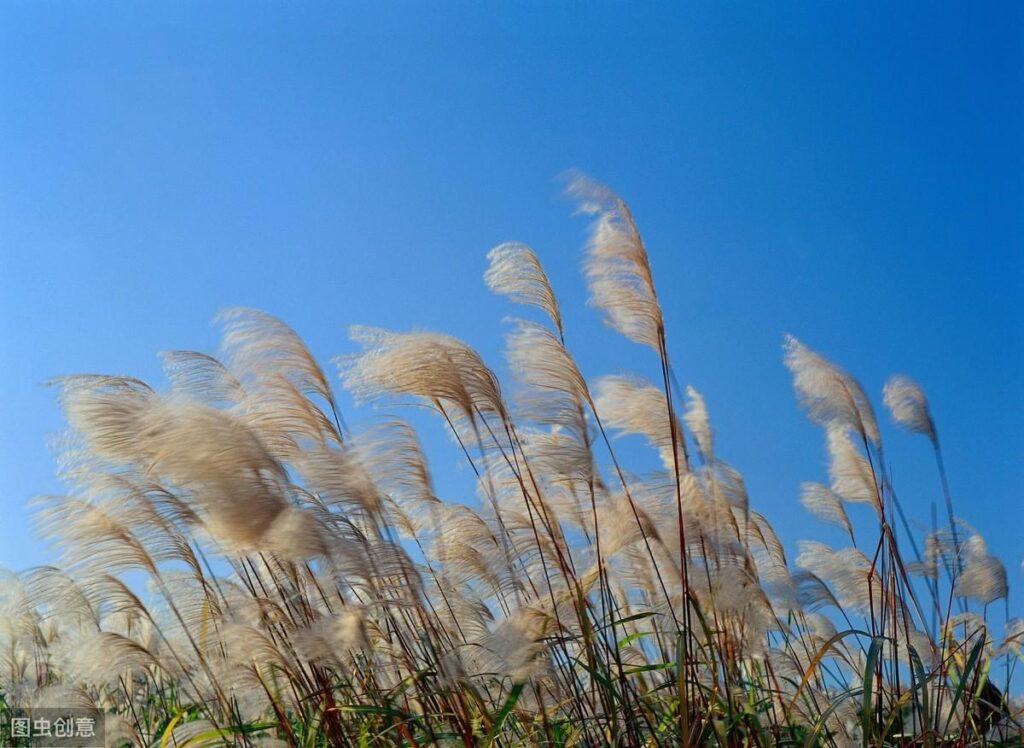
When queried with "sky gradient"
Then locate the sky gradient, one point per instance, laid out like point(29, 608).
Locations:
point(852, 176)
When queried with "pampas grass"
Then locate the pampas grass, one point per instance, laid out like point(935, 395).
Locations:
point(239, 566)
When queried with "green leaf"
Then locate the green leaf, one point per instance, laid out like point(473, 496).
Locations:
point(634, 617)
point(633, 637)
point(869, 673)
point(823, 717)
point(165, 738)
point(506, 708)
point(972, 662)
point(918, 675)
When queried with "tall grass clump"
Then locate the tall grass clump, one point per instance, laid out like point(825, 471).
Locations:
point(239, 566)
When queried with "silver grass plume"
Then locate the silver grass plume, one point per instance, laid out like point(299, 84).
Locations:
point(850, 472)
point(432, 366)
point(633, 406)
point(696, 419)
point(514, 648)
point(830, 395)
point(1013, 637)
point(238, 486)
point(983, 577)
point(260, 345)
point(616, 266)
point(202, 377)
point(284, 419)
point(909, 406)
point(514, 271)
point(826, 505)
point(846, 570)
point(554, 390)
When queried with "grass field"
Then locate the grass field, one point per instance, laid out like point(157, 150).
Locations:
point(239, 566)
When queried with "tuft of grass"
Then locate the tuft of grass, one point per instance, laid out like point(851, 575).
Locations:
point(240, 567)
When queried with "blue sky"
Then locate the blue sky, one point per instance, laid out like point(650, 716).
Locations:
point(850, 174)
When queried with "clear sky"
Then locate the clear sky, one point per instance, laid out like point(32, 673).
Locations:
point(850, 173)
